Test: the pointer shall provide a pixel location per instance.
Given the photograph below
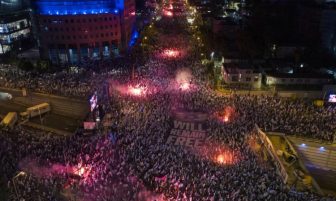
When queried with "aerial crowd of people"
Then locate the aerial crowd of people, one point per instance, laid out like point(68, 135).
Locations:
point(132, 159)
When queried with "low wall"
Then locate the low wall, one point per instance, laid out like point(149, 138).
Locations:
point(272, 153)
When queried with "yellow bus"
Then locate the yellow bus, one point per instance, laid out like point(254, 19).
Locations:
point(9, 120)
point(36, 110)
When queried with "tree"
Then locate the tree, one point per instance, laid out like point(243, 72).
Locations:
point(42, 66)
point(25, 65)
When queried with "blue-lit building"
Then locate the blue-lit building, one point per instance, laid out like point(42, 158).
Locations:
point(15, 26)
point(73, 30)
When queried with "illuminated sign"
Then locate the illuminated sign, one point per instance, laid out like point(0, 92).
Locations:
point(332, 98)
point(78, 7)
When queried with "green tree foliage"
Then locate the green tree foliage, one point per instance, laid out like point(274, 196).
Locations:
point(42, 66)
point(25, 65)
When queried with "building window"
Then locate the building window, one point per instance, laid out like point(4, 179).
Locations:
point(111, 33)
point(248, 79)
point(71, 20)
point(283, 80)
point(102, 35)
point(115, 18)
point(105, 18)
point(256, 78)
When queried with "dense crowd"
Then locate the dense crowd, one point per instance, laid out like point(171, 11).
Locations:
point(133, 161)
point(141, 163)
point(73, 82)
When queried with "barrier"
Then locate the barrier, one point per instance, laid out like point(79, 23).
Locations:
point(270, 149)
point(294, 151)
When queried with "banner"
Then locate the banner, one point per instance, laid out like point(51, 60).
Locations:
point(89, 125)
point(189, 134)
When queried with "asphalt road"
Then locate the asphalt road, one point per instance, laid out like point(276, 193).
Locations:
point(66, 114)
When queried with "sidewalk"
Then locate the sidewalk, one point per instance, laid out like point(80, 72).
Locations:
point(44, 128)
point(44, 95)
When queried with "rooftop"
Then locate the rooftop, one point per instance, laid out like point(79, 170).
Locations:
point(300, 75)
point(233, 68)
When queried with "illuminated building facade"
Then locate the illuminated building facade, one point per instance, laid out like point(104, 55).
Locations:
point(72, 30)
point(15, 26)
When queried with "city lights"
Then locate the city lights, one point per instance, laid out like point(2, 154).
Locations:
point(137, 90)
point(82, 7)
point(171, 53)
point(167, 13)
point(185, 86)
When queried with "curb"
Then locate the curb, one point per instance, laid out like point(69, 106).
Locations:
point(47, 95)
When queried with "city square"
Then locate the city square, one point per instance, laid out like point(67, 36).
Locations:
point(153, 126)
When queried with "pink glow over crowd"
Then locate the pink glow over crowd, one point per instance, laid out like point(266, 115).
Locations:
point(171, 138)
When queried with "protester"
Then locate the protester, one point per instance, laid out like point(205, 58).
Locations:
point(132, 159)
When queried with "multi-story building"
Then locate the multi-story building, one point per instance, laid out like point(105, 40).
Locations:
point(298, 79)
point(15, 26)
point(319, 21)
point(239, 74)
point(72, 30)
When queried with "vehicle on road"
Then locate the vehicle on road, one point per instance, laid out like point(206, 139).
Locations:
point(36, 110)
point(9, 120)
point(5, 96)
